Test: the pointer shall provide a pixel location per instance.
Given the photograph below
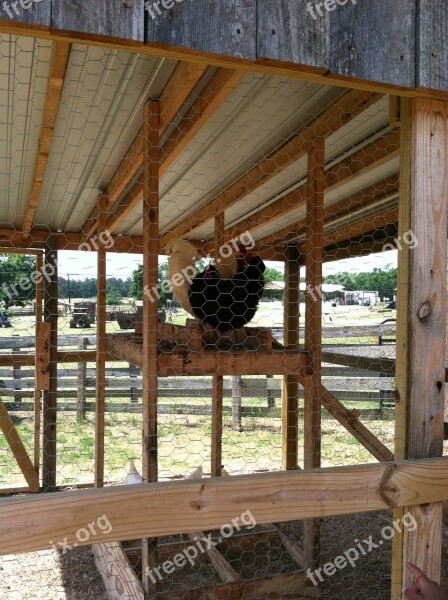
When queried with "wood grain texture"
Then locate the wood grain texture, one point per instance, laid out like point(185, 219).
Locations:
point(287, 32)
point(226, 28)
point(432, 45)
point(363, 40)
point(37, 14)
point(421, 318)
point(374, 41)
point(113, 19)
point(119, 577)
point(27, 523)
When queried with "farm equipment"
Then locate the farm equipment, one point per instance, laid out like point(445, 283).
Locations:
point(127, 319)
point(84, 315)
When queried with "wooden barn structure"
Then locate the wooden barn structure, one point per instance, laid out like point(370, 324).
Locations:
point(181, 119)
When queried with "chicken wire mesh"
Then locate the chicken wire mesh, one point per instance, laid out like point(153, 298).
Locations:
point(256, 172)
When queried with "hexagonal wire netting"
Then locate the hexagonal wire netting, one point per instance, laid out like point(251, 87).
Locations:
point(241, 156)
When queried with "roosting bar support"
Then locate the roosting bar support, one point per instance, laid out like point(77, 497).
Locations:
point(100, 403)
point(151, 133)
point(313, 333)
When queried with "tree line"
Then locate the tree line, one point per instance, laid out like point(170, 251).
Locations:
point(17, 270)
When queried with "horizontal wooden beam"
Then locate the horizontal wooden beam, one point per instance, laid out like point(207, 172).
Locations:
point(12, 239)
point(128, 347)
point(303, 69)
point(151, 510)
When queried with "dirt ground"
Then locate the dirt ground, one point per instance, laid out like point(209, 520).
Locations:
point(49, 575)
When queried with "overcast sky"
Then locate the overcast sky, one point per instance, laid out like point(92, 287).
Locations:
point(83, 264)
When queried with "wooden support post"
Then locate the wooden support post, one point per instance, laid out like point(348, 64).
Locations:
point(49, 413)
point(82, 382)
point(290, 392)
point(236, 403)
point(151, 160)
point(421, 320)
point(37, 390)
point(100, 346)
point(218, 380)
point(313, 333)
point(270, 391)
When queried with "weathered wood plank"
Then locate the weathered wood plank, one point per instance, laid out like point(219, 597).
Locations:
point(113, 19)
point(287, 32)
point(374, 41)
point(432, 45)
point(226, 28)
point(26, 13)
point(28, 523)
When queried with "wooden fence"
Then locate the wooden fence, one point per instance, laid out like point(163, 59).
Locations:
point(76, 384)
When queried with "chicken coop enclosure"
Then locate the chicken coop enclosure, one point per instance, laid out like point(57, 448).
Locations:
point(300, 452)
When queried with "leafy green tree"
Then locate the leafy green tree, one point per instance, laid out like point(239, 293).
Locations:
point(136, 288)
point(272, 275)
point(17, 279)
point(113, 295)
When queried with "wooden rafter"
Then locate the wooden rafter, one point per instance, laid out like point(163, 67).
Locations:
point(176, 92)
point(365, 198)
point(339, 114)
point(372, 155)
point(216, 91)
point(58, 66)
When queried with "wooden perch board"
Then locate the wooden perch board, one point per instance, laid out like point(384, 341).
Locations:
point(28, 522)
point(126, 346)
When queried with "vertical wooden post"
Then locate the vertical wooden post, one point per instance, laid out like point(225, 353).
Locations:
point(270, 388)
point(218, 380)
point(37, 391)
point(290, 393)
point(313, 333)
point(49, 412)
point(421, 320)
point(150, 313)
point(100, 345)
point(236, 403)
point(81, 392)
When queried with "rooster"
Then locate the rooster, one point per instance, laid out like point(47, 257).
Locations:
point(224, 295)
